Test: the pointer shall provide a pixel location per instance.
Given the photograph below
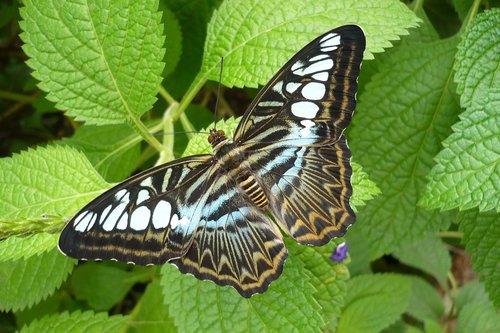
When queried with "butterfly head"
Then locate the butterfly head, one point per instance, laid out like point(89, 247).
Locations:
point(216, 137)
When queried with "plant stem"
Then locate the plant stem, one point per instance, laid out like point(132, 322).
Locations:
point(451, 234)
point(470, 15)
point(143, 131)
point(166, 95)
point(186, 124)
point(167, 154)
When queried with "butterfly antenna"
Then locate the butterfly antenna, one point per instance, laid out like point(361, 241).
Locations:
point(218, 92)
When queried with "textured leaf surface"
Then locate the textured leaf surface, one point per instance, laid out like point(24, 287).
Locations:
point(374, 302)
point(53, 180)
point(26, 282)
point(257, 37)
point(482, 241)
point(99, 61)
point(364, 189)
point(467, 173)
point(406, 111)
point(102, 285)
point(478, 57)
point(425, 302)
point(14, 248)
point(289, 305)
point(429, 254)
point(113, 150)
point(472, 292)
point(151, 314)
point(77, 322)
point(478, 317)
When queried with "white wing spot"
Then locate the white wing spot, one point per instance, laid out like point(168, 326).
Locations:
point(85, 221)
point(327, 37)
point(174, 221)
point(319, 57)
point(305, 109)
point(271, 103)
point(139, 219)
point(297, 65)
point(119, 195)
point(307, 127)
point(292, 86)
point(142, 196)
point(161, 214)
point(92, 222)
point(104, 214)
point(334, 40)
point(79, 218)
point(319, 66)
point(147, 182)
point(322, 76)
point(123, 222)
point(110, 221)
point(278, 87)
point(329, 48)
point(314, 91)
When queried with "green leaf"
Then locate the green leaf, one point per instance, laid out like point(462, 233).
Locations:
point(26, 282)
point(360, 251)
point(53, 180)
point(112, 149)
point(462, 7)
point(222, 309)
point(482, 241)
point(467, 173)
point(99, 61)
point(103, 285)
point(150, 314)
point(425, 302)
point(478, 57)
point(478, 317)
point(193, 17)
point(173, 41)
point(365, 189)
point(429, 254)
point(472, 292)
point(323, 272)
point(374, 302)
point(432, 326)
point(395, 134)
point(256, 38)
point(14, 248)
point(77, 322)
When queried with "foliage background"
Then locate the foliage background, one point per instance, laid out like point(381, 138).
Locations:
point(86, 87)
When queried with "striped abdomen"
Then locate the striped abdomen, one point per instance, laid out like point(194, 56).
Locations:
point(248, 183)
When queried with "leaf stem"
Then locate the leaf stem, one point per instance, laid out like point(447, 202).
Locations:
point(166, 95)
point(470, 15)
point(186, 124)
point(451, 234)
point(198, 83)
point(143, 131)
point(167, 154)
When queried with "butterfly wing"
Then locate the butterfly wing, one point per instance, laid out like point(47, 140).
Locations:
point(148, 219)
point(293, 136)
point(235, 243)
point(186, 213)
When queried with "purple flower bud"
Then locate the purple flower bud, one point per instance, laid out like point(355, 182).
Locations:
point(340, 252)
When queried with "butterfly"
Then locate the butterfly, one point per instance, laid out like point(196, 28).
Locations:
point(209, 214)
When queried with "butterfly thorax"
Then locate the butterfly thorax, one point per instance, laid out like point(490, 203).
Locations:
point(232, 161)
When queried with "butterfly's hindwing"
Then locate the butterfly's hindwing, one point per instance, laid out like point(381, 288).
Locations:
point(308, 189)
point(235, 243)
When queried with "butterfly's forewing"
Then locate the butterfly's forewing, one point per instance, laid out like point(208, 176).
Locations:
point(292, 134)
point(312, 97)
point(148, 219)
point(235, 243)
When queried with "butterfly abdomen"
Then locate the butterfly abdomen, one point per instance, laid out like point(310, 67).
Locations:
point(254, 191)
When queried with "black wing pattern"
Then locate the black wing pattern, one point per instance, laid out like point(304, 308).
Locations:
point(292, 133)
point(208, 214)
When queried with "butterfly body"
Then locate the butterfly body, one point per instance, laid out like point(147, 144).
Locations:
point(209, 214)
